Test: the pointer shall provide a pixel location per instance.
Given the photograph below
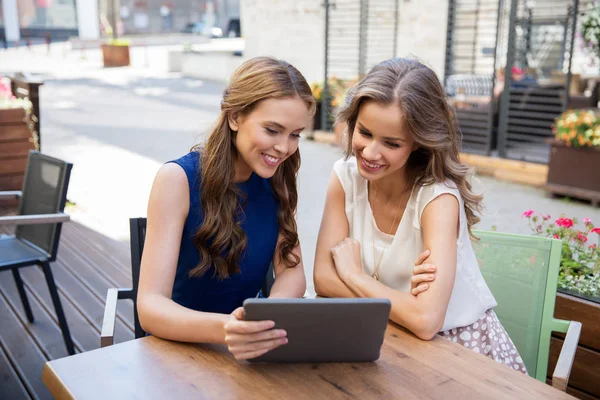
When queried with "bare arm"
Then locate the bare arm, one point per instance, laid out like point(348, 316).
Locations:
point(334, 229)
point(289, 281)
point(424, 314)
point(159, 315)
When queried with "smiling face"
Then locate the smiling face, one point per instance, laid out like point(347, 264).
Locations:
point(268, 135)
point(380, 141)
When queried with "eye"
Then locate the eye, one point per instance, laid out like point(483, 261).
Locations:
point(296, 135)
point(365, 134)
point(271, 131)
point(393, 145)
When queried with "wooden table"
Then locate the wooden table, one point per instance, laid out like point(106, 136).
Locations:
point(409, 368)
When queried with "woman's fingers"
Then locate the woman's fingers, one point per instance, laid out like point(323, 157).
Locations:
point(420, 278)
point(422, 257)
point(236, 326)
point(236, 338)
point(424, 269)
point(238, 313)
point(419, 289)
point(250, 339)
point(244, 351)
point(252, 354)
point(236, 323)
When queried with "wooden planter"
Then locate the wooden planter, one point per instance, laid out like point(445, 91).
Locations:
point(584, 382)
point(115, 56)
point(573, 172)
point(15, 142)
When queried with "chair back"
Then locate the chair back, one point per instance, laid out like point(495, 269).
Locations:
point(44, 192)
point(137, 228)
point(522, 273)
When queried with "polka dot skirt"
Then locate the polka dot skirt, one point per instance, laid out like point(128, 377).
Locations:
point(488, 337)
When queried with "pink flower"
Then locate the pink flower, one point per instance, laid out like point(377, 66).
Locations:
point(527, 214)
point(581, 237)
point(566, 222)
point(546, 217)
point(5, 87)
point(556, 237)
point(595, 230)
point(593, 246)
point(587, 221)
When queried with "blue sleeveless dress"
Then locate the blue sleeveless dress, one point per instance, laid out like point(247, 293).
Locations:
point(261, 225)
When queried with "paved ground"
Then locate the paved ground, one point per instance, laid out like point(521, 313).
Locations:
point(119, 125)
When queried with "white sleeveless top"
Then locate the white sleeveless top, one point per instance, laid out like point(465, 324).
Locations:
point(470, 298)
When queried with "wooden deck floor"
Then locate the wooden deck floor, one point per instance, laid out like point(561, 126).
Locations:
point(88, 264)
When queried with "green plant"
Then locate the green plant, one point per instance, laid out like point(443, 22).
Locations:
point(336, 87)
point(580, 260)
point(578, 128)
point(118, 42)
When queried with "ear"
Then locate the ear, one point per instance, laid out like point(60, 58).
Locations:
point(232, 119)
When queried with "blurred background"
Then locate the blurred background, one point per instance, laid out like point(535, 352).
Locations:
point(119, 87)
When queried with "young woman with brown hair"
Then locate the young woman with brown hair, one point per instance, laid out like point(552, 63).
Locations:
point(400, 190)
point(220, 215)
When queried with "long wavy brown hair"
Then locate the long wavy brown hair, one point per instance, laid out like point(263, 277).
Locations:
point(220, 239)
point(428, 117)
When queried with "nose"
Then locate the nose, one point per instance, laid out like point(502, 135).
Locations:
point(371, 151)
point(282, 145)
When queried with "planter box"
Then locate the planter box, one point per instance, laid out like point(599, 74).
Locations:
point(15, 143)
point(573, 171)
point(115, 56)
point(584, 382)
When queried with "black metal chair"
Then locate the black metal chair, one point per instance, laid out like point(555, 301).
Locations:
point(137, 229)
point(36, 238)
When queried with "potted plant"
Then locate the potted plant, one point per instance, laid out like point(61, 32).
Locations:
point(115, 53)
point(337, 90)
point(17, 137)
point(575, 156)
point(578, 296)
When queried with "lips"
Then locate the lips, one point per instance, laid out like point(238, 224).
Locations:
point(271, 160)
point(370, 166)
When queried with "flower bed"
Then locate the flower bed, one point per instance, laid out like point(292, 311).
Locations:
point(580, 259)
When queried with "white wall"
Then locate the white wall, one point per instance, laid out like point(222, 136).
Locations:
point(291, 30)
point(11, 20)
point(214, 66)
point(422, 32)
point(88, 22)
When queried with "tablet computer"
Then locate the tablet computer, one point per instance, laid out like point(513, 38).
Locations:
point(323, 330)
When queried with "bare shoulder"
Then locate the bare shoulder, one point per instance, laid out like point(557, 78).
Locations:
point(170, 191)
point(441, 215)
point(171, 172)
point(335, 190)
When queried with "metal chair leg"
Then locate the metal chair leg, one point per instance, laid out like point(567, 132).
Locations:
point(22, 294)
point(62, 321)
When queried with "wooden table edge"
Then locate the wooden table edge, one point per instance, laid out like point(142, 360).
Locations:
point(54, 384)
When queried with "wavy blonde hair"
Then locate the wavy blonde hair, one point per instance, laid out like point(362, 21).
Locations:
point(428, 117)
point(255, 80)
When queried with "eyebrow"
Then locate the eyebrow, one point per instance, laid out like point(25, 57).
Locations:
point(366, 130)
point(281, 127)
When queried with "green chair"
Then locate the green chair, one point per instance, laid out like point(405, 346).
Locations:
point(522, 273)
